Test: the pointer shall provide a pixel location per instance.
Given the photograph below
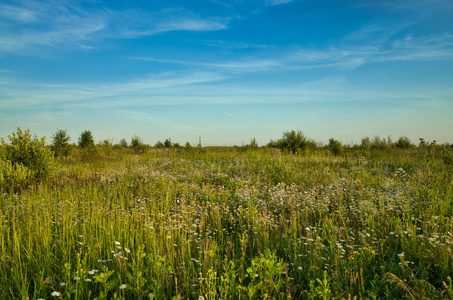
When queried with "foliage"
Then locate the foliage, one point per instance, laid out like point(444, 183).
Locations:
point(137, 144)
point(123, 143)
point(26, 155)
point(86, 139)
point(275, 144)
point(106, 143)
point(13, 174)
point(253, 144)
point(404, 143)
point(381, 143)
point(158, 144)
point(297, 141)
point(168, 143)
point(335, 147)
point(60, 143)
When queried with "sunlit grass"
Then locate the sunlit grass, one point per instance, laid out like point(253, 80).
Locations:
point(209, 224)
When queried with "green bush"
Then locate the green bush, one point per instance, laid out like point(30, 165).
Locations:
point(25, 157)
point(13, 173)
point(404, 143)
point(336, 147)
point(86, 139)
point(123, 143)
point(297, 142)
point(60, 143)
point(137, 144)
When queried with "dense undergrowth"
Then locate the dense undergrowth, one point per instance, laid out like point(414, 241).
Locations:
point(231, 224)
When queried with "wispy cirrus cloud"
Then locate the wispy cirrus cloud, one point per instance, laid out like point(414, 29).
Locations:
point(247, 65)
point(27, 24)
point(344, 57)
point(17, 13)
point(24, 94)
point(178, 25)
point(278, 2)
point(235, 45)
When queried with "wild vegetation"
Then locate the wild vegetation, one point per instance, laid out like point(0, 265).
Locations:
point(374, 221)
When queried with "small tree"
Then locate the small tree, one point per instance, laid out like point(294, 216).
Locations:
point(136, 141)
point(404, 143)
point(335, 147)
point(159, 144)
point(60, 143)
point(294, 141)
point(137, 144)
point(123, 143)
point(86, 139)
point(253, 144)
point(167, 143)
point(28, 154)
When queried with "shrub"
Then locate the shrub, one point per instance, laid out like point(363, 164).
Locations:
point(335, 147)
point(168, 143)
point(137, 144)
point(159, 144)
point(123, 143)
point(27, 156)
point(60, 143)
point(381, 143)
point(404, 143)
point(297, 141)
point(275, 144)
point(13, 173)
point(86, 139)
point(253, 144)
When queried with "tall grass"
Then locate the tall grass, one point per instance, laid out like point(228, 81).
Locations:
point(221, 223)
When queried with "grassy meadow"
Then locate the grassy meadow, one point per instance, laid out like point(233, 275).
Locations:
point(229, 223)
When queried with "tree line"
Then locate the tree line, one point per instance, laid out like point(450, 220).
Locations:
point(26, 157)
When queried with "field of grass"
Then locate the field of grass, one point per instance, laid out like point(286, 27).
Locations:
point(231, 224)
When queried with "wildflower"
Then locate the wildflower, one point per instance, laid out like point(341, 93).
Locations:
point(117, 243)
point(55, 294)
point(88, 280)
point(91, 272)
point(122, 287)
point(62, 284)
point(127, 250)
point(200, 298)
point(76, 278)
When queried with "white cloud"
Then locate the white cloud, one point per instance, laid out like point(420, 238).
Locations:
point(277, 2)
point(234, 44)
point(21, 14)
point(242, 66)
point(48, 23)
point(34, 95)
point(180, 25)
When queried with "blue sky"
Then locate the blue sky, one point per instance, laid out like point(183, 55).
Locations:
point(228, 70)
